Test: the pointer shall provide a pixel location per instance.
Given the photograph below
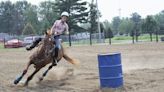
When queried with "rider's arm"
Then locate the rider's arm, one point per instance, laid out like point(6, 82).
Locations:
point(67, 29)
point(53, 28)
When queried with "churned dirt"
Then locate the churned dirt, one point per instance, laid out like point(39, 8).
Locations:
point(143, 69)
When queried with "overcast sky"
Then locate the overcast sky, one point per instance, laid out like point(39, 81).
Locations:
point(110, 8)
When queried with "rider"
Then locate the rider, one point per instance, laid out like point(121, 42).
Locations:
point(58, 28)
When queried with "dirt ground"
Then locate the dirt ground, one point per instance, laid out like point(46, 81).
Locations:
point(143, 69)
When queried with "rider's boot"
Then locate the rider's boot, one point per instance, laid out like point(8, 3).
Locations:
point(31, 46)
point(56, 56)
point(56, 52)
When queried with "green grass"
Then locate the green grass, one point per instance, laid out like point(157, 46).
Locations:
point(145, 37)
point(1, 46)
point(122, 38)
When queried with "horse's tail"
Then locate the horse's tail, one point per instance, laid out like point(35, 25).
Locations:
point(71, 60)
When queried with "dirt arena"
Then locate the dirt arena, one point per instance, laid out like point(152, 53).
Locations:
point(143, 68)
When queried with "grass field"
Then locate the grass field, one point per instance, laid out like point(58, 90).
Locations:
point(1, 46)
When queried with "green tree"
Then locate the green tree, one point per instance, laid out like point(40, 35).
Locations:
point(93, 19)
point(107, 31)
point(115, 25)
point(6, 11)
point(47, 14)
point(102, 28)
point(18, 16)
point(14, 16)
point(110, 34)
point(31, 17)
point(28, 30)
point(126, 26)
point(149, 26)
point(160, 20)
point(136, 18)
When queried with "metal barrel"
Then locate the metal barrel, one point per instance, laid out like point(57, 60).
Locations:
point(110, 70)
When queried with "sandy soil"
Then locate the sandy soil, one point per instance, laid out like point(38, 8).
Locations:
point(143, 69)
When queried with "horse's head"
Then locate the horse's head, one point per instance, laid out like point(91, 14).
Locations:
point(48, 32)
point(47, 36)
point(48, 40)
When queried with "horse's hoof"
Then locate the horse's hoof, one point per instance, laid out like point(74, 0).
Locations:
point(16, 82)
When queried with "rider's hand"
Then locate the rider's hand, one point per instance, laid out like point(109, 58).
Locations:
point(55, 33)
point(67, 32)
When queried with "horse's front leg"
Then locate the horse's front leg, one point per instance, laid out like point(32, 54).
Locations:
point(45, 73)
point(16, 81)
point(31, 76)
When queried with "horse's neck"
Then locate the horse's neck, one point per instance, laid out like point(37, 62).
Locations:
point(45, 47)
point(41, 49)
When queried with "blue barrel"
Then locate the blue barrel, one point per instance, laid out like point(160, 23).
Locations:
point(110, 70)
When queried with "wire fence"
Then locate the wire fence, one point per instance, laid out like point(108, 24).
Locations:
point(86, 39)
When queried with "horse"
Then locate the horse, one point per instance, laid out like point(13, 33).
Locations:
point(42, 56)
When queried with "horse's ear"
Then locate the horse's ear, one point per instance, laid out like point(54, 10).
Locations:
point(46, 33)
point(49, 31)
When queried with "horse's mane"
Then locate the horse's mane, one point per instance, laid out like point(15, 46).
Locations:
point(43, 47)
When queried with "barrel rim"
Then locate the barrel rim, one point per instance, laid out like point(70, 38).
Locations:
point(110, 53)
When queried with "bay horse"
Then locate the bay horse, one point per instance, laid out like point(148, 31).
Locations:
point(41, 57)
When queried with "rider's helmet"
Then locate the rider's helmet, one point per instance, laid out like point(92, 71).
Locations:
point(64, 14)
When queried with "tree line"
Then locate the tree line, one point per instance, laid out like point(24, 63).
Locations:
point(136, 25)
point(23, 18)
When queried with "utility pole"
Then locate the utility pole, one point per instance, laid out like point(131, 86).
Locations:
point(98, 15)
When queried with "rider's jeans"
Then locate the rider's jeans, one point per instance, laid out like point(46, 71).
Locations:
point(57, 41)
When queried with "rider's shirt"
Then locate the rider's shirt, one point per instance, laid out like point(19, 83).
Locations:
point(59, 27)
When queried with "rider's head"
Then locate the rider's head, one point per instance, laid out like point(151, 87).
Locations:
point(64, 16)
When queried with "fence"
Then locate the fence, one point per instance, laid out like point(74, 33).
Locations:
point(124, 39)
point(84, 38)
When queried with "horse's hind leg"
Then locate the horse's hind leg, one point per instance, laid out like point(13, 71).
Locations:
point(16, 81)
point(45, 73)
point(31, 76)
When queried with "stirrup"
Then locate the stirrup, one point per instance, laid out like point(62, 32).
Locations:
point(55, 63)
